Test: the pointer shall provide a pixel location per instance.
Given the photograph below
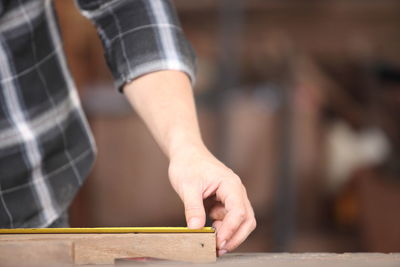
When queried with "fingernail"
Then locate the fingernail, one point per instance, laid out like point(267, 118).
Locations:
point(222, 246)
point(194, 223)
point(222, 252)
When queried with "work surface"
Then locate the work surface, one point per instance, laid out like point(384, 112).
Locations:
point(310, 260)
point(292, 260)
point(278, 260)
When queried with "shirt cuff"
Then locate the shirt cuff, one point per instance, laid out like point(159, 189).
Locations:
point(153, 66)
point(142, 52)
point(140, 37)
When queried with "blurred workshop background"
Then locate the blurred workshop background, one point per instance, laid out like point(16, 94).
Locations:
point(300, 98)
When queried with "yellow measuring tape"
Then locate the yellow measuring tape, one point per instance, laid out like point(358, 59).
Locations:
point(109, 230)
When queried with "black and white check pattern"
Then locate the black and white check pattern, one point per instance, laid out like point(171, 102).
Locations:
point(46, 147)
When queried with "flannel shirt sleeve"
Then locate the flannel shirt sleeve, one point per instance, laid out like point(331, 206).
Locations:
point(139, 37)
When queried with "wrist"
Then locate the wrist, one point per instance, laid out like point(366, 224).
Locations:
point(184, 143)
point(185, 148)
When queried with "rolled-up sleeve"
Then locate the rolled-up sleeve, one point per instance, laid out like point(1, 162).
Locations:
point(139, 37)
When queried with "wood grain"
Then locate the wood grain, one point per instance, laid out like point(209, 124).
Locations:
point(105, 248)
point(35, 253)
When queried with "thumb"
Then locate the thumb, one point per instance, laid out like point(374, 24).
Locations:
point(194, 208)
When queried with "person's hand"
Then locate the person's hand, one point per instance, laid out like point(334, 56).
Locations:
point(196, 175)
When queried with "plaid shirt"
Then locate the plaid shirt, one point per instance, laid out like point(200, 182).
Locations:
point(46, 147)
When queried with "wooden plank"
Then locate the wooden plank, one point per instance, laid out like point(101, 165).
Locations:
point(178, 247)
point(105, 248)
point(96, 230)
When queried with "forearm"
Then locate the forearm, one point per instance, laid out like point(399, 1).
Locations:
point(164, 100)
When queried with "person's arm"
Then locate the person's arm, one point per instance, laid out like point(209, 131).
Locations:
point(149, 56)
point(164, 100)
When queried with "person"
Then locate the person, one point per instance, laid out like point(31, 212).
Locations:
point(46, 147)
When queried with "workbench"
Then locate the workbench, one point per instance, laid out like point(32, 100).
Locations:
point(310, 260)
point(280, 260)
point(292, 260)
